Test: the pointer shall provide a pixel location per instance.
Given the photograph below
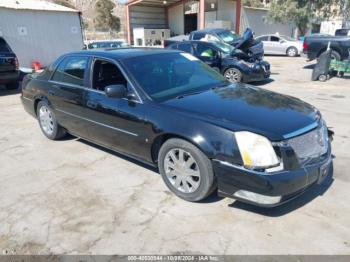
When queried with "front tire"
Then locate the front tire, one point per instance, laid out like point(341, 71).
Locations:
point(292, 51)
point(48, 123)
point(186, 170)
point(233, 75)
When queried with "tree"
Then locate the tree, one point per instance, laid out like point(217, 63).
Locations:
point(66, 3)
point(104, 19)
point(302, 12)
point(252, 3)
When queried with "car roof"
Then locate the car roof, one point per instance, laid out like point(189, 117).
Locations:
point(122, 53)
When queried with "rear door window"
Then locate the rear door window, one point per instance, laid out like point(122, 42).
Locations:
point(72, 70)
point(274, 39)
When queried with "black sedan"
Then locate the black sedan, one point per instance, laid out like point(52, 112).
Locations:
point(227, 60)
point(168, 109)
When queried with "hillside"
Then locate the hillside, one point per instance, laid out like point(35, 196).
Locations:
point(87, 7)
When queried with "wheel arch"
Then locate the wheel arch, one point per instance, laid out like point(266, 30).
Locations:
point(336, 49)
point(291, 46)
point(162, 138)
point(39, 99)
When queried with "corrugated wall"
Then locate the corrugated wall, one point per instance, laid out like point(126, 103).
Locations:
point(176, 19)
point(40, 35)
point(147, 17)
point(256, 20)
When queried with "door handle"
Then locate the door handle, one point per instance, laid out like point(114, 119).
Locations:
point(51, 93)
point(91, 104)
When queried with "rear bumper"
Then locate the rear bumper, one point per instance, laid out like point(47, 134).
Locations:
point(28, 105)
point(9, 77)
point(268, 190)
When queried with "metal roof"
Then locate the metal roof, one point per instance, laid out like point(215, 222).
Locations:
point(38, 5)
point(153, 2)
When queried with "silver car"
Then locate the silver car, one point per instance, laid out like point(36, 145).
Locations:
point(281, 45)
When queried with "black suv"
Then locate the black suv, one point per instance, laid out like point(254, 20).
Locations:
point(227, 60)
point(9, 72)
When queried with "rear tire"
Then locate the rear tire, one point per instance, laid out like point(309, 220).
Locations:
point(48, 123)
point(292, 51)
point(335, 55)
point(186, 170)
point(12, 86)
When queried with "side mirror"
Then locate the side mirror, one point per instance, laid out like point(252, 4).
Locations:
point(282, 41)
point(116, 91)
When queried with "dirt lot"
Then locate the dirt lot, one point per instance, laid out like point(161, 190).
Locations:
point(72, 197)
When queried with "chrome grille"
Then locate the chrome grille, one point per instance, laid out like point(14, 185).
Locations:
point(312, 144)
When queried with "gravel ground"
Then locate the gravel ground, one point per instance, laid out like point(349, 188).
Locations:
point(75, 198)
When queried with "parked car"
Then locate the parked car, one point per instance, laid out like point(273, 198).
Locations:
point(168, 109)
point(342, 32)
point(9, 68)
point(313, 47)
point(281, 45)
point(108, 44)
point(227, 60)
point(246, 43)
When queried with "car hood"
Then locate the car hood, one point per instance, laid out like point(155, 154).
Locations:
point(243, 107)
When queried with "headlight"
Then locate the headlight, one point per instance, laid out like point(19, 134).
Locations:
point(256, 150)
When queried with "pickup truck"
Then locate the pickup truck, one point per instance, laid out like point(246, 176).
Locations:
point(314, 46)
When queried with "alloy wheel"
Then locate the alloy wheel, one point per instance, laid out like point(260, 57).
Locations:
point(292, 52)
point(182, 170)
point(46, 120)
point(233, 75)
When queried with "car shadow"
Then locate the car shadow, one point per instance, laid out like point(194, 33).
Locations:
point(262, 83)
point(305, 198)
point(124, 157)
point(213, 197)
point(300, 201)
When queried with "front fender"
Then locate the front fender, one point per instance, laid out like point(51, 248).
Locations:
point(214, 141)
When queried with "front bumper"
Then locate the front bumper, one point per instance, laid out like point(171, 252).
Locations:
point(272, 189)
point(260, 72)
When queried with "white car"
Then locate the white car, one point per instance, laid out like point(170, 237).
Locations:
point(281, 45)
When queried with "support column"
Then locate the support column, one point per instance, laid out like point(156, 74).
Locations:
point(128, 29)
point(201, 14)
point(238, 15)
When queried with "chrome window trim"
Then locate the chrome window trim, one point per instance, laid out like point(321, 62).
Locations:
point(98, 123)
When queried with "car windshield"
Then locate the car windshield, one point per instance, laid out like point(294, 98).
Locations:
point(225, 48)
point(170, 75)
point(228, 36)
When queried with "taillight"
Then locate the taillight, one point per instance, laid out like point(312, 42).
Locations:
point(16, 63)
point(305, 45)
